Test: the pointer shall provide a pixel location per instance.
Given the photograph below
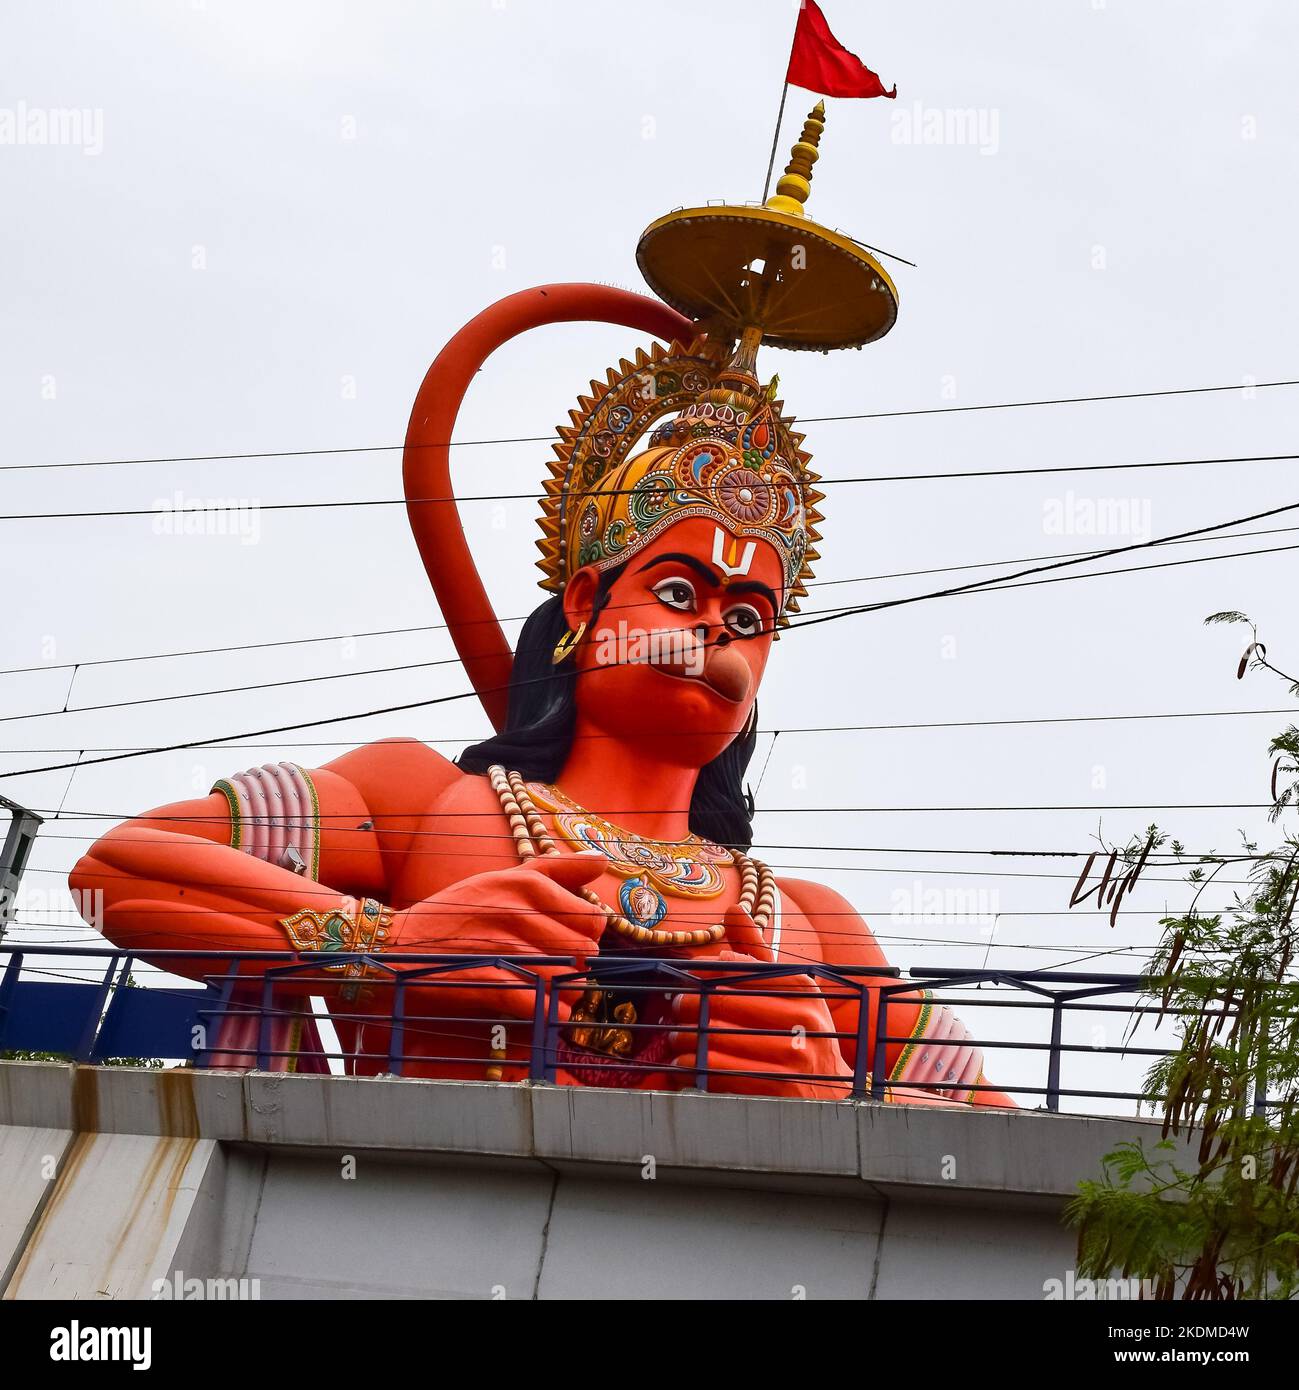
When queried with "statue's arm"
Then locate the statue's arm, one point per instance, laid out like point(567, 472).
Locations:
point(227, 869)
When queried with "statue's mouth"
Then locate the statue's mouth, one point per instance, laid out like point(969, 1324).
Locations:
point(724, 671)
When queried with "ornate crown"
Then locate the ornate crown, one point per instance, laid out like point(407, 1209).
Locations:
point(746, 275)
point(728, 454)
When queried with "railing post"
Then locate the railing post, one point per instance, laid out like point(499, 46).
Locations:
point(223, 1013)
point(701, 1041)
point(8, 985)
point(1053, 1066)
point(86, 1046)
point(537, 1059)
point(879, 1072)
point(550, 1043)
point(106, 1003)
point(861, 1062)
point(1260, 1080)
point(1260, 1094)
point(397, 1033)
point(264, 1026)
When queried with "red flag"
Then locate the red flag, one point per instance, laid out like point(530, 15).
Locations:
point(822, 64)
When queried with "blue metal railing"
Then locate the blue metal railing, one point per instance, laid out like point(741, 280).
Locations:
point(386, 1015)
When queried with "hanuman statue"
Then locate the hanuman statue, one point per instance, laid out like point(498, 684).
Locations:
point(606, 817)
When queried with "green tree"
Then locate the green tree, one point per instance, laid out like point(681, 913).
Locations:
point(1224, 1223)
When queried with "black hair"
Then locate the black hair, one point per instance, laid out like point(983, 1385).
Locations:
point(542, 716)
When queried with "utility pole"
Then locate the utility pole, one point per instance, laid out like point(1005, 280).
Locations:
point(23, 826)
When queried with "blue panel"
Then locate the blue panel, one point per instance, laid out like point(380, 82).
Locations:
point(45, 1017)
point(153, 1022)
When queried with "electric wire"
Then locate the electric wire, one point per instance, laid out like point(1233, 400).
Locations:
point(452, 501)
point(1003, 581)
point(547, 438)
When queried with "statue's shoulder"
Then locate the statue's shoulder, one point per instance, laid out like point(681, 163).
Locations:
point(397, 775)
point(830, 915)
point(842, 936)
point(813, 899)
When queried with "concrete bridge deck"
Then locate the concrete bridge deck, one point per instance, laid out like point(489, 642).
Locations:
point(112, 1179)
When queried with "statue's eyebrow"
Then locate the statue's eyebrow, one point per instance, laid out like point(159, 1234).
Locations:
point(690, 562)
point(755, 586)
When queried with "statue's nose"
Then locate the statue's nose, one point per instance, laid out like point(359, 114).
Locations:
point(727, 672)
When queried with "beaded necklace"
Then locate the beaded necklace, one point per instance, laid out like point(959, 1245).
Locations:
point(531, 838)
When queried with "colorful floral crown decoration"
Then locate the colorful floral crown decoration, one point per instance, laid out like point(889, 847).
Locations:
point(746, 275)
point(728, 454)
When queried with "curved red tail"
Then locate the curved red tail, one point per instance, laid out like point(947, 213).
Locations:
point(426, 462)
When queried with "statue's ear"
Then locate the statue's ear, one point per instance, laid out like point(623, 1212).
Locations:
point(579, 597)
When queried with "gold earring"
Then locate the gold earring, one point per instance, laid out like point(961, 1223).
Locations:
point(565, 646)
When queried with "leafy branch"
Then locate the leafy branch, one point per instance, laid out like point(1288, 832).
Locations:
point(1227, 1226)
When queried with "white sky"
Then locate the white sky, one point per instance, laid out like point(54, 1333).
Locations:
point(1126, 223)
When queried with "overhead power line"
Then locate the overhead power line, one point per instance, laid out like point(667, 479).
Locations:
point(444, 627)
point(272, 916)
point(1161, 859)
point(366, 502)
point(337, 821)
point(806, 619)
point(1002, 581)
point(547, 438)
point(927, 870)
point(456, 740)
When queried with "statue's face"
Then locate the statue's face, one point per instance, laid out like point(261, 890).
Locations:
point(676, 654)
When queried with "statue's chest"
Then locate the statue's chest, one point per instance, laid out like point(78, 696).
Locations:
point(677, 889)
point(681, 886)
point(660, 894)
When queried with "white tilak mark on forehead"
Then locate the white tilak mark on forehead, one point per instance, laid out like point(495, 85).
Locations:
point(720, 552)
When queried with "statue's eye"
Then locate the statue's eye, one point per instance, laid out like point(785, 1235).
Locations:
point(676, 593)
point(743, 620)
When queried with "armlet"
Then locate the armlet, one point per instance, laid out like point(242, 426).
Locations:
point(940, 1055)
point(360, 927)
point(275, 816)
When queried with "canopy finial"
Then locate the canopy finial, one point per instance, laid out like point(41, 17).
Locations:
point(795, 184)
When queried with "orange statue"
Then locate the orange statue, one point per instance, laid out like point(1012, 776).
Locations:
point(606, 817)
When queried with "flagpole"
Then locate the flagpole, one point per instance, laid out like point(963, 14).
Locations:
point(775, 140)
point(780, 115)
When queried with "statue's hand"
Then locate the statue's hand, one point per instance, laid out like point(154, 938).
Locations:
point(791, 1049)
point(532, 909)
point(743, 935)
